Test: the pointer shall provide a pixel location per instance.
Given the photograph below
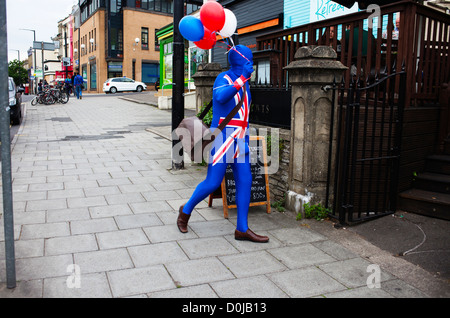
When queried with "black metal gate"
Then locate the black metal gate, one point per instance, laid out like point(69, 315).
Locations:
point(365, 148)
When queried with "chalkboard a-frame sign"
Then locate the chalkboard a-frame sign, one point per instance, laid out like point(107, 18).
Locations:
point(260, 194)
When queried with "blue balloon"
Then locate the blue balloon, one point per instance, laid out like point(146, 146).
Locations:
point(191, 28)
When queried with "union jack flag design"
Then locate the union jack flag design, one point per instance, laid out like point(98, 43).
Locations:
point(240, 124)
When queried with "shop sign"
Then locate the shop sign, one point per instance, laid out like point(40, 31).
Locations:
point(327, 9)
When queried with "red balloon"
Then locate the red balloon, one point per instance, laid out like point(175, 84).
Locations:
point(208, 41)
point(212, 15)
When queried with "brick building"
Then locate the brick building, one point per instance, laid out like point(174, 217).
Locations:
point(117, 38)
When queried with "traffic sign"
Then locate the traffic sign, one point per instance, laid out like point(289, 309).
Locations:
point(46, 46)
point(66, 61)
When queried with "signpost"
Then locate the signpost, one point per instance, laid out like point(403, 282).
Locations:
point(43, 46)
point(178, 78)
point(178, 81)
point(6, 154)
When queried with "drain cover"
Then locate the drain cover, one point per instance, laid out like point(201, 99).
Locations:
point(61, 119)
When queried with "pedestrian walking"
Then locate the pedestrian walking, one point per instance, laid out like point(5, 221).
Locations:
point(78, 82)
point(68, 85)
point(73, 84)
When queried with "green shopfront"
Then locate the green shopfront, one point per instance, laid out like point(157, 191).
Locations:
point(193, 57)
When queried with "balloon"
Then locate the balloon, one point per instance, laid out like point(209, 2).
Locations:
point(212, 15)
point(191, 28)
point(230, 24)
point(208, 41)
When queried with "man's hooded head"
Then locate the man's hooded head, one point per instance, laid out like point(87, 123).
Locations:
point(238, 59)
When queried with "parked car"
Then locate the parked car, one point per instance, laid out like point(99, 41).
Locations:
point(122, 84)
point(15, 101)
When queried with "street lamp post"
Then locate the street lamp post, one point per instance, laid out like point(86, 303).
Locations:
point(18, 53)
point(178, 78)
point(178, 81)
point(34, 63)
point(5, 137)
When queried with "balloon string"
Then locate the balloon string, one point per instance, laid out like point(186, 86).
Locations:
point(244, 81)
point(232, 47)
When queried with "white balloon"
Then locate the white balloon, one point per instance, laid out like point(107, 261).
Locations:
point(230, 24)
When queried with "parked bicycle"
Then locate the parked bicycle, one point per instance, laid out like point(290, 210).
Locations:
point(50, 96)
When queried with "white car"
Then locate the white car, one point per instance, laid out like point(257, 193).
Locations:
point(122, 84)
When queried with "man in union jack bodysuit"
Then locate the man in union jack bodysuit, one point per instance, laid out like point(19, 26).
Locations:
point(232, 146)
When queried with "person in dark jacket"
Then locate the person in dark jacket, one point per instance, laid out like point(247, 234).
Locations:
point(68, 85)
point(78, 82)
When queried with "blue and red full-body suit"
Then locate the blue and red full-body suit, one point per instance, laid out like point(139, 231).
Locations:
point(231, 147)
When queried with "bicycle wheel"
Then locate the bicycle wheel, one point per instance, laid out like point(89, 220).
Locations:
point(64, 98)
point(50, 100)
point(56, 96)
point(34, 101)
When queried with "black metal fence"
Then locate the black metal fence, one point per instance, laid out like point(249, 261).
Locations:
point(365, 148)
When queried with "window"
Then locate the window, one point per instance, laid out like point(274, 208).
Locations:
point(191, 8)
point(114, 69)
point(168, 48)
point(263, 72)
point(88, 9)
point(144, 38)
point(113, 39)
point(150, 72)
point(84, 74)
point(116, 39)
point(93, 75)
point(116, 6)
point(165, 6)
point(156, 41)
point(120, 40)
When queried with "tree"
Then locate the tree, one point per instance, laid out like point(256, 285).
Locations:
point(18, 72)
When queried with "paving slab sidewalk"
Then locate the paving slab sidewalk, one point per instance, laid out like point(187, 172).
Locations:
point(95, 206)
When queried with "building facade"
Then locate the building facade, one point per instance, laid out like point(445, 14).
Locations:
point(51, 64)
point(65, 48)
point(193, 56)
point(254, 17)
point(116, 38)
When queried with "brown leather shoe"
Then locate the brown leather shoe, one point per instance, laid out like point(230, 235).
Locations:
point(250, 236)
point(182, 220)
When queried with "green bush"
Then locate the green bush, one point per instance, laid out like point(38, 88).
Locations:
point(209, 116)
point(314, 211)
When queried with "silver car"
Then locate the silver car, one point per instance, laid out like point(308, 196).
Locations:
point(15, 102)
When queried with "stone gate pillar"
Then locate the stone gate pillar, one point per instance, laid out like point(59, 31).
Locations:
point(204, 81)
point(313, 68)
